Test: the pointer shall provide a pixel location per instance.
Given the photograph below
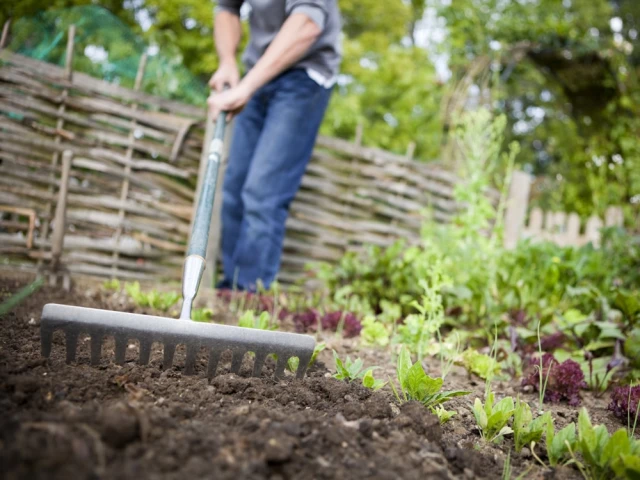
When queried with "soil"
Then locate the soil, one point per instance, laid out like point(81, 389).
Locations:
point(108, 421)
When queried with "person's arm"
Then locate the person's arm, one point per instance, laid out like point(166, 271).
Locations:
point(226, 35)
point(298, 33)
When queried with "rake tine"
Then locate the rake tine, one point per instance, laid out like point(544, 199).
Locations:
point(280, 364)
point(303, 363)
point(169, 350)
point(190, 362)
point(96, 349)
point(121, 349)
point(145, 352)
point(258, 364)
point(72, 344)
point(46, 339)
point(236, 361)
point(214, 357)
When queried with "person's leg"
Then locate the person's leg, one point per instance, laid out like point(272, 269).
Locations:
point(295, 110)
point(246, 132)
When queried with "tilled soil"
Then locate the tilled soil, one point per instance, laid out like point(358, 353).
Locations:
point(79, 421)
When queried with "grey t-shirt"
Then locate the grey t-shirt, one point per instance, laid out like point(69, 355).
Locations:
point(323, 58)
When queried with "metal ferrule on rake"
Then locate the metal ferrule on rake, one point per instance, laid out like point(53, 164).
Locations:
point(148, 329)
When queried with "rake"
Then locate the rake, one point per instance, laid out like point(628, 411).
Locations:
point(147, 329)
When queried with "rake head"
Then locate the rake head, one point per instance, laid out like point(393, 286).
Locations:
point(170, 333)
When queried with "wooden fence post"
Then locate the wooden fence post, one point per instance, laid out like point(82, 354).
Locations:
point(516, 212)
point(59, 221)
point(5, 34)
point(68, 71)
point(124, 190)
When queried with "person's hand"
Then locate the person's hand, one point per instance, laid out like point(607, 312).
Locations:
point(231, 101)
point(227, 74)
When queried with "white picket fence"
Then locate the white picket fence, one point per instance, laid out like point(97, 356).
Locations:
point(562, 228)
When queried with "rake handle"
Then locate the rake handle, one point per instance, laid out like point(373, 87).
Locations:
point(194, 263)
point(202, 222)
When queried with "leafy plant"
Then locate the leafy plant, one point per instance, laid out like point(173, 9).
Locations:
point(416, 385)
point(162, 301)
point(349, 370)
point(113, 284)
point(492, 418)
point(484, 366)
point(525, 428)
point(443, 415)
point(625, 405)
point(294, 362)
point(561, 381)
point(605, 455)
point(374, 332)
point(261, 322)
point(561, 444)
point(201, 314)
point(370, 382)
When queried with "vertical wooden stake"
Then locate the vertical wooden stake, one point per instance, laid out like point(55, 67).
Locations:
point(124, 190)
point(411, 149)
point(5, 34)
point(57, 239)
point(68, 68)
point(358, 139)
point(516, 212)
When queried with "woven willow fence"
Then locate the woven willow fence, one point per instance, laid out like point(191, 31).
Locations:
point(120, 205)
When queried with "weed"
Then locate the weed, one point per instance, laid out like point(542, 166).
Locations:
point(201, 314)
point(294, 362)
point(443, 415)
point(370, 382)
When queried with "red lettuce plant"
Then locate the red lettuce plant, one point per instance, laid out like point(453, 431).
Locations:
point(565, 380)
point(308, 321)
point(624, 403)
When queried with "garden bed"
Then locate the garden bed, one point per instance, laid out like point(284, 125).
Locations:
point(110, 421)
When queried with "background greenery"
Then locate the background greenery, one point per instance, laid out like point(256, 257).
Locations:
point(563, 72)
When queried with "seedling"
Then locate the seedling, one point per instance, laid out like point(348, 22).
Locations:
point(443, 415)
point(525, 428)
point(560, 445)
point(162, 301)
point(607, 456)
point(201, 314)
point(294, 362)
point(492, 418)
point(113, 284)
point(416, 385)
point(349, 370)
point(370, 382)
point(261, 322)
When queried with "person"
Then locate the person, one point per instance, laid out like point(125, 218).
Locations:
point(292, 60)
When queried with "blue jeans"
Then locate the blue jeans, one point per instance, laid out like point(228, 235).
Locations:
point(272, 143)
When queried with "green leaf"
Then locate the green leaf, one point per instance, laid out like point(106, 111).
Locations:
point(480, 414)
point(403, 365)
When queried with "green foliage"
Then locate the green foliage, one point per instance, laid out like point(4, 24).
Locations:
point(525, 428)
point(561, 444)
point(605, 455)
point(370, 382)
point(416, 385)
point(201, 314)
point(294, 362)
point(249, 319)
point(113, 284)
point(484, 366)
point(443, 415)
point(492, 418)
point(350, 370)
point(162, 301)
point(374, 332)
